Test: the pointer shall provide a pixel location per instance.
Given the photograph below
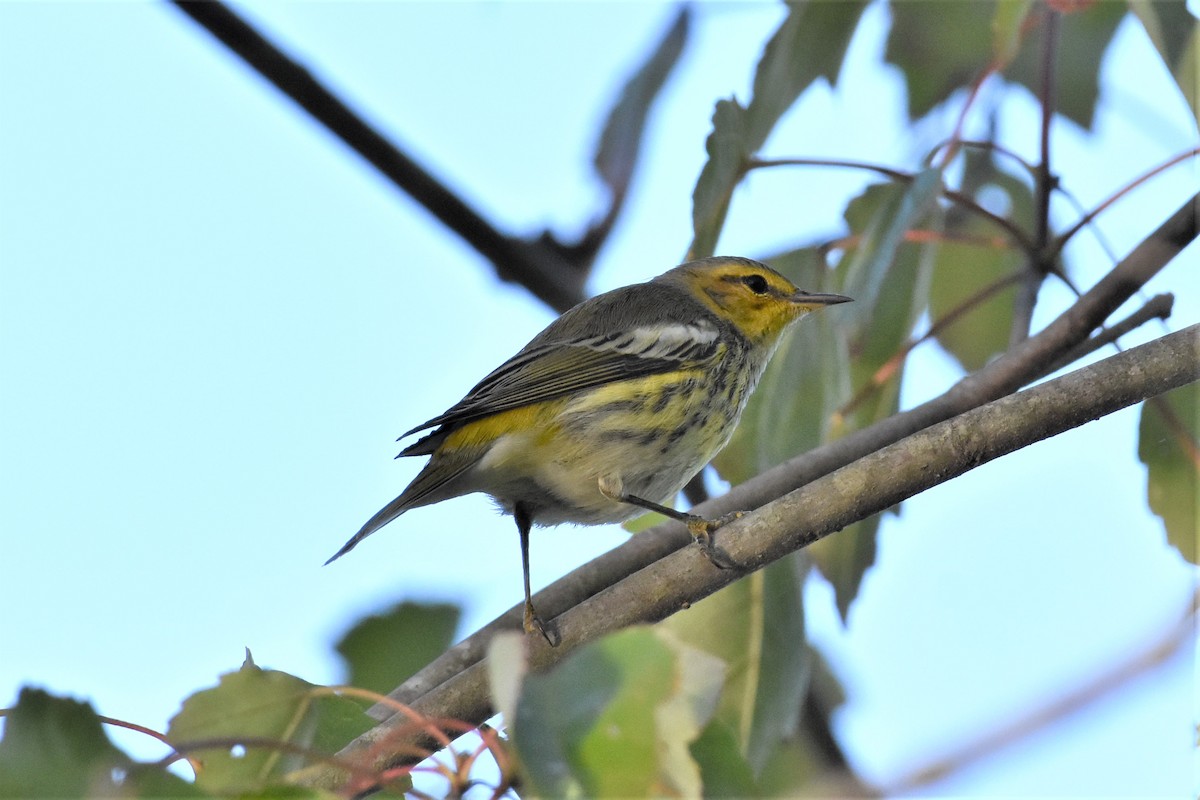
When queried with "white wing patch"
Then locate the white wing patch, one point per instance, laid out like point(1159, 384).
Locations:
point(674, 341)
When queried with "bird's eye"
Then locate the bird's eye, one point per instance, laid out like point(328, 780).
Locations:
point(756, 283)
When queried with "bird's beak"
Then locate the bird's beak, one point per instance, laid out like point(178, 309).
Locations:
point(814, 300)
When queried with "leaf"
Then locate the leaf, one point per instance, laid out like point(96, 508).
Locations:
point(756, 628)
point(939, 48)
point(1175, 34)
point(891, 211)
point(1007, 26)
point(621, 139)
point(889, 279)
point(615, 719)
point(1167, 445)
point(257, 704)
point(55, 747)
point(972, 259)
point(1083, 38)
point(724, 771)
point(383, 650)
point(728, 150)
point(809, 44)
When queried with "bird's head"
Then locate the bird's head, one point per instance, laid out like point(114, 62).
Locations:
point(754, 298)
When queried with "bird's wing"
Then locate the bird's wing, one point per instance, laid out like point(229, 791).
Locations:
point(613, 342)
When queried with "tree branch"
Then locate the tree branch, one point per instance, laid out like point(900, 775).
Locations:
point(554, 272)
point(868, 486)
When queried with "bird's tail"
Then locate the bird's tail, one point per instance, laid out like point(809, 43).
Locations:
point(436, 482)
point(381, 518)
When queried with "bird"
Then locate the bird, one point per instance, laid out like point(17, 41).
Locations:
point(612, 408)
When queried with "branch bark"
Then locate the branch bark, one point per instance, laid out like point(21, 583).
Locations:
point(868, 486)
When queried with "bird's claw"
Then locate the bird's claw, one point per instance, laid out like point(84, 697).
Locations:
point(532, 623)
point(702, 529)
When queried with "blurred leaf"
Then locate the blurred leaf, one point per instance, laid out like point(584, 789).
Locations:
point(756, 627)
point(55, 747)
point(1083, 38)
point(252, 703)
point(507, 667)
point(621, 140)
point(728, 150)
point(1007, 25)
point(939, 48)
point(845, 558)
point(810, 44)
point(724, 772)
point(644, 522)
point(1167, 445)
point(383, 650)
point(1174, 32)
point(805, 380)
point(880, 218)
point(972, 259)
point(962, 271)
point(943, 47)
point(615, 719)
point(889, 279)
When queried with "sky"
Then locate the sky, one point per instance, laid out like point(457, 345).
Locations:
point(215, 319)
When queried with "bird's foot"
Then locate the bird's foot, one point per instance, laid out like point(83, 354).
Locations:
point(702, 530)
point(532, 623)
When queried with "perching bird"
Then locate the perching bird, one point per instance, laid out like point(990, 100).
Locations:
point(613, 407)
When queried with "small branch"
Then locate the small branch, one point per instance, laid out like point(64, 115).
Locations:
point(1061, 241)
point(1157, 307)
point(1041, 262)
point(1015, 233)
point(542, 265)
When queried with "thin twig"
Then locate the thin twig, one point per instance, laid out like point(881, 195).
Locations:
point(1015, 233)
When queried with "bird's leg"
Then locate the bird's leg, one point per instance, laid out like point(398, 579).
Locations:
point(700, 528)
point(531, 621)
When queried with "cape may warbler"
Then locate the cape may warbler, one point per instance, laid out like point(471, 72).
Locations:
point(614, 406)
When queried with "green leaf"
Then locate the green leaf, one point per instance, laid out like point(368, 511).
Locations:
point(1083, 38)
point(382, 650)
point(615, 719)
point(1007, 24)
point(621, 140)
point(889, 278)
point(724, 771)
point(939, 48)
point(256, 704)
point(728, 150)
point(756, 628)
point(891, 211)
point(1167, 445)
point(973, 258)
point(55, 747)
point(1175, 33)
point(810, 44)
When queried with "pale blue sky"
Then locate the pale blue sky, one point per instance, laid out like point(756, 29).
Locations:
point(214, 320)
